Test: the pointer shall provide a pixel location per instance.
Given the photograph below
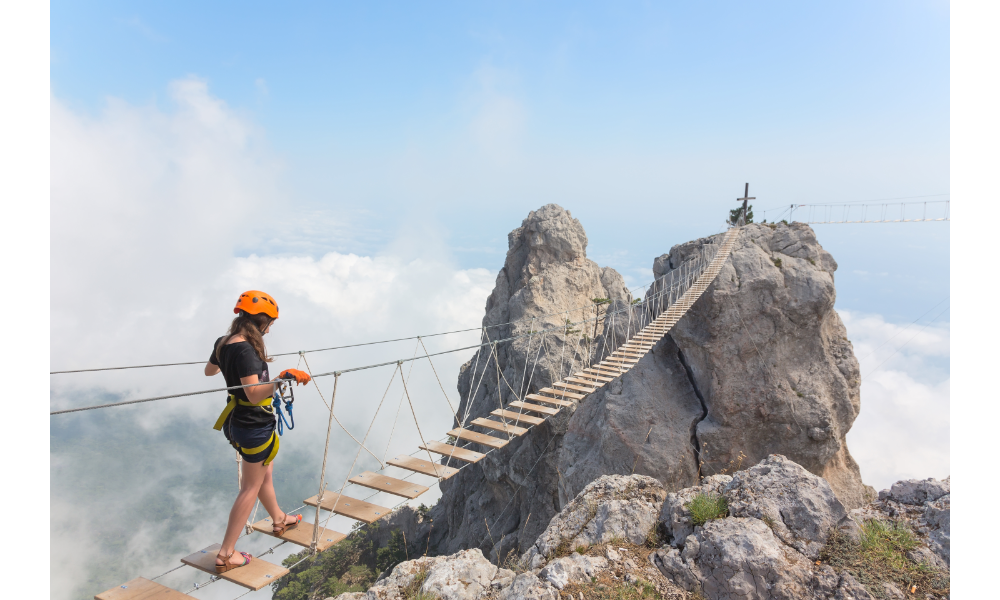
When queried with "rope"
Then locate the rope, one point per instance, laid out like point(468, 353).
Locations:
point(300, 352)
point(414, 411)
point(392, 432)
point(330, 406)
point(322, 472)
point(327, 374)
point(448, 400)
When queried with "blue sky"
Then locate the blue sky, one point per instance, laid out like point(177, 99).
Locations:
point(455, 119)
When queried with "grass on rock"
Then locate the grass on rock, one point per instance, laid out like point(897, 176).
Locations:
point(705, 507)
point(879, 556)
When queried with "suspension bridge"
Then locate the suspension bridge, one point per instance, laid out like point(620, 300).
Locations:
point(666, 301)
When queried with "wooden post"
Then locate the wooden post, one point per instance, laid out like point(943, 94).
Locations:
point(744, 199)
point(322, 473)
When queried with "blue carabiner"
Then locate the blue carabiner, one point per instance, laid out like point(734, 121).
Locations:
point(282, 423)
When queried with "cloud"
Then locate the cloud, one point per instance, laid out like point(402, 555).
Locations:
point(160, 217)
point(903, 429)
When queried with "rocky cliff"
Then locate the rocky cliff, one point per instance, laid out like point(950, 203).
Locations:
point(773, 531)
point(760, 364)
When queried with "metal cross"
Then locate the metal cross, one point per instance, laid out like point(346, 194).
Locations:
point(744, 199)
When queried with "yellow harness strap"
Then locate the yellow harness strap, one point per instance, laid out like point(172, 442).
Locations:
point(233, 400)
point(274, 451)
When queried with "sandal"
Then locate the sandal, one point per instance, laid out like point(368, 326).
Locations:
point(281, 528)
point(228, 566)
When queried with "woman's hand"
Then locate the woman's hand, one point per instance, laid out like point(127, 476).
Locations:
point(299, 376)
point(257, 393)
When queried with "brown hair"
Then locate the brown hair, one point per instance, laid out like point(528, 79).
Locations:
point(252, 328)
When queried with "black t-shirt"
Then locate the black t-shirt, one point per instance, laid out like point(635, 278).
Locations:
point(236, 361)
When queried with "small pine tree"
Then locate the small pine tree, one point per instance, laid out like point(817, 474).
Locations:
point(734, 215)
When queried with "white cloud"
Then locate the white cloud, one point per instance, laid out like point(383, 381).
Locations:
point(903, 429)
point(151, 209)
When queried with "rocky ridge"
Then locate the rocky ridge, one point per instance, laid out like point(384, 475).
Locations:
point(626, 536)
point(760, 364)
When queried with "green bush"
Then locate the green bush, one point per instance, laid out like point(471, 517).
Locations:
point(705, 507)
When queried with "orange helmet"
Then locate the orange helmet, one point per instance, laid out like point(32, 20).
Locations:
point(254, 302)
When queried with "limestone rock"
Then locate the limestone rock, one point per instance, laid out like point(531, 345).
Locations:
point(914, 491)
point(625, 507)
point(639, 423)
point(770, 357)
point(675, 514)
point(466, 575)
point(739, 558)
point(572, 569)
point(800, 507)
point(702, 395)
point(851, 589)
point(527, 586)
point(937, 516)
point(546, 272)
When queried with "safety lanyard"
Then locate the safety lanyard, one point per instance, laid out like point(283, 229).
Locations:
point(280, 396)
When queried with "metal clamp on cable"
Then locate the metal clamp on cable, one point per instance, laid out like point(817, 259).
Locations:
point(279, 397)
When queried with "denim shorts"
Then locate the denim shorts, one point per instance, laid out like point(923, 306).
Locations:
point(254, 445)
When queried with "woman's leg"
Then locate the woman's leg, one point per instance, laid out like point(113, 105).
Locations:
point(270, 501)
point(253, 477)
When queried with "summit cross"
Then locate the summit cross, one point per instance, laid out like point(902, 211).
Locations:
point(744, 199)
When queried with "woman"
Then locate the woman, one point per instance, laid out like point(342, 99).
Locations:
point(248, 419)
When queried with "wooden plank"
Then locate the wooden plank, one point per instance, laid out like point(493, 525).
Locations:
point(629, 352)
point(419, 465)
point(302, 534)
point(256, 575)
point(624, 366)
point(141, 588)
point(519, 417)
point(561, 393)
point(611, 373)
point(593, 376)
point(479, 438)
point(624, 361)
point(643, 347)
point(590, 382)
point(453, 451)
point(572, 386)
point(500, 426)
point(350, 507)
point(538, 408)
point(397, 487)
point(614, 371)
point(547, 400)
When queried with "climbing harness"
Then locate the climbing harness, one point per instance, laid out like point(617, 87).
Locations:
point(274, 442)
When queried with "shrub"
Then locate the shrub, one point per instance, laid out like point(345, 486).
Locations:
point(777, 262)
point(705, 507)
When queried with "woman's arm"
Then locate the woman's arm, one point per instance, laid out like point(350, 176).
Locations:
point(256, 394)
point(211, 369)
